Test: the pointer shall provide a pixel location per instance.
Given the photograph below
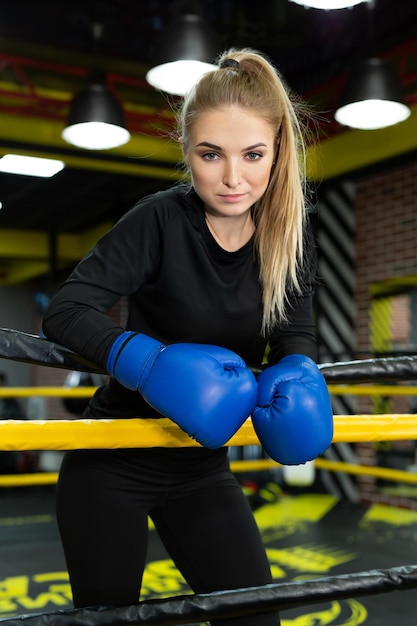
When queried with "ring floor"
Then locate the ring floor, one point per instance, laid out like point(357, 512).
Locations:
point(307, 535)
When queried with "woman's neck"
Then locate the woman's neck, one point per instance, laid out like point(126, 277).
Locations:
point(231, 233)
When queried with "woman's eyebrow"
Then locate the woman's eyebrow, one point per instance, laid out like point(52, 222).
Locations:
point(206, 144)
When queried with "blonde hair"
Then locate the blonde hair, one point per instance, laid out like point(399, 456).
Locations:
point(279, 216)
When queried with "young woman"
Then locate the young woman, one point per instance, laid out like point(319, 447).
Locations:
point(215, 271)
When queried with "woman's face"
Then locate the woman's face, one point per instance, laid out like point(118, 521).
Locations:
point(230, 154)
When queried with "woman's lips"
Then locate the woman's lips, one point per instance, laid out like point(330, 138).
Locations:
point(232, 197)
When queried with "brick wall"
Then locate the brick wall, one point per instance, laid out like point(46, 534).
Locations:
point(386, 248)
point(386, 234)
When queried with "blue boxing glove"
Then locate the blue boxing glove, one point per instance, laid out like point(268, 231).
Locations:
point(206, 390)
point(293, 418)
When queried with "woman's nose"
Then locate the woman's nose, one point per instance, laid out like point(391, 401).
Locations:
point(231, 174)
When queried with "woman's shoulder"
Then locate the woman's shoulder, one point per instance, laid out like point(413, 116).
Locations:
point(163, 206)
point(162, 214)
point(176, 198)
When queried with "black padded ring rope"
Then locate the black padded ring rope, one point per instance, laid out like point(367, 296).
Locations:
point(237, 603)
point(371, 370)
point(20, 346)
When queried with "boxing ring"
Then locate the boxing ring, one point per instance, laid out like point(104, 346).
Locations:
point(188, 609)
point(122, 433)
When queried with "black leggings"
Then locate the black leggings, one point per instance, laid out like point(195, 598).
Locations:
point(203, 519)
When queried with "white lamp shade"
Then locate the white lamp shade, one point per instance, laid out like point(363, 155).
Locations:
point(329, 4)
point(95, 135)
point(372, 114)
point(177, 77)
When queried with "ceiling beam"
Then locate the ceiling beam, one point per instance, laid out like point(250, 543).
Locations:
point(354, 150)
point(25, 255)
point(144, 155)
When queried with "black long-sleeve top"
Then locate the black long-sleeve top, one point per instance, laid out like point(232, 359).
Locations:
point(181, 287)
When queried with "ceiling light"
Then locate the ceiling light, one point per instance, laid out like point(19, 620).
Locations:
point(96, 120)
point(185, 51)
point(371, 97)
point(329, 4)
point(30, 166)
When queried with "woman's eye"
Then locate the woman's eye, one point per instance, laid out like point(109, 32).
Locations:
point(253, 156)
point(209, 156)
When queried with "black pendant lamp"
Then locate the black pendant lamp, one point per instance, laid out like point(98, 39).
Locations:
point(371, 97)
point(96, 119)
point(185, 51)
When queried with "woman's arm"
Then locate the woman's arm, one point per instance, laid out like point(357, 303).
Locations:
point(117, 266)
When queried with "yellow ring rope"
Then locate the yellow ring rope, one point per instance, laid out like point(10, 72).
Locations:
point(385, 473)
point(87, 392)
point(131, 433)
point(148, 433)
